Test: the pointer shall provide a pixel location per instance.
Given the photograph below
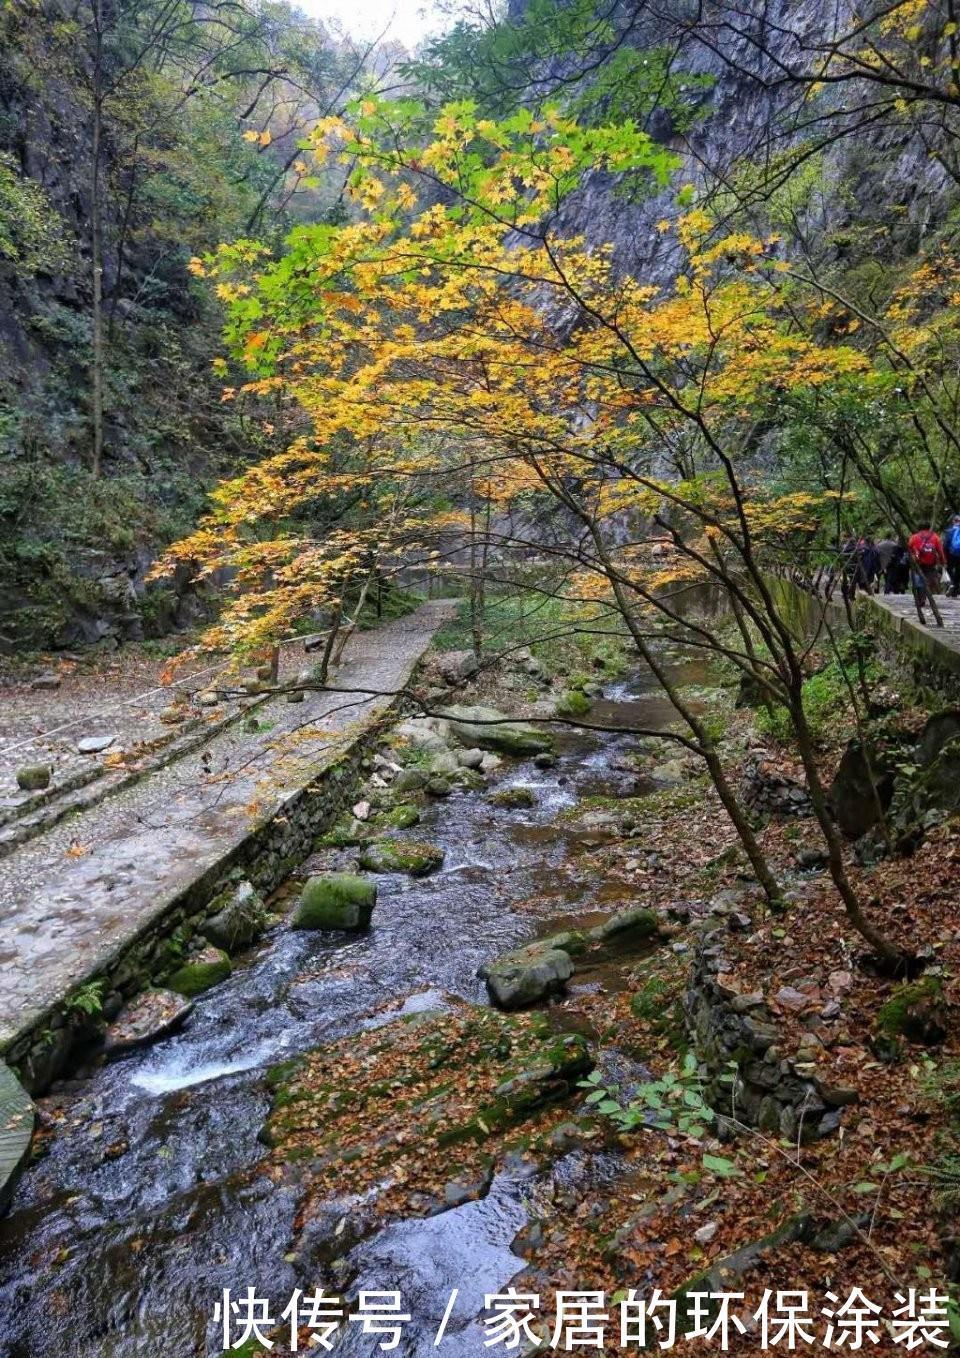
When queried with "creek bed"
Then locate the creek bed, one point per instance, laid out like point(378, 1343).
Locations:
point(148, 1202)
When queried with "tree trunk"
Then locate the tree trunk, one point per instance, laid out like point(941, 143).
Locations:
point(96, 247)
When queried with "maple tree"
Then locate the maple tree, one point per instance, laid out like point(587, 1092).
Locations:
point(455, 331)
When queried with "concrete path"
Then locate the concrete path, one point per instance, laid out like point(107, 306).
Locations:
point(898, 613)
point(77, 893)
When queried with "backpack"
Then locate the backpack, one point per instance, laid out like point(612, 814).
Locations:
point(927, 554)
point(952, 540)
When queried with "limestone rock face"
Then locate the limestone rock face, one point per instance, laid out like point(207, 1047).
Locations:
point(493, 730)
point(336, 900)
point(240, 919)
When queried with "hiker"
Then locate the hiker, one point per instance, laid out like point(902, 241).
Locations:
point(927, 560)
point(896, 576)
point(869, 565)
point(886, 550)
point(951, 547)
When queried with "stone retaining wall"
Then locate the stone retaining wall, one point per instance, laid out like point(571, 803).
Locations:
point(266, 856)
point(748, 1077)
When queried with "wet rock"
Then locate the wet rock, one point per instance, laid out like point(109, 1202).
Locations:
point(94, 744)
point(34, 777)
point(296, 695)
point(493, 730)
point(470, 759)
point(17, 1117)
point(546, 760)
point(438, 787)
point(528, 975)
point(151, 1016)
point(514, 797)
point(204, 970)
point(416, 858)
point(490, 763)
point(240, 917)
point(335, 900)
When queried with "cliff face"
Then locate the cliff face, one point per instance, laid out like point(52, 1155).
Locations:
point(884, 180)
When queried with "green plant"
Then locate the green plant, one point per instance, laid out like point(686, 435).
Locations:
point(88, 999)
point(674, 1103)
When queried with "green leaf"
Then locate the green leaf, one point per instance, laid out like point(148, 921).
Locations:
point(718, 1165)
point(865, 1187)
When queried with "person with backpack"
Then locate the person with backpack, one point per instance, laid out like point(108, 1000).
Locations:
point(927, 560)
point(896, 576)
point(951, 546)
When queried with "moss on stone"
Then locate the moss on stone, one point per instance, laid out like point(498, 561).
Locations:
point(208, 968)
point(401, 817)
point(396, 855)
point(916, 1011)
point(335, 900)
point(573, 702)
point(514, 797)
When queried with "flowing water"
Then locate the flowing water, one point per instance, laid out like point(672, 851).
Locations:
point(148, 1204)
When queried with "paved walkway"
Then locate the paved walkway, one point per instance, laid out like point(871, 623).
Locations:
point(941, 644)
point(85, 887)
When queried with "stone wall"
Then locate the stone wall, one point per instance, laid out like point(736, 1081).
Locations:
point(267, 855)
point(748, 1077)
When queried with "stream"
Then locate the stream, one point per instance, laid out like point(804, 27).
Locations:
point(147, 1203)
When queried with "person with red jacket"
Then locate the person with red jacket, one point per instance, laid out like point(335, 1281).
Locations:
point(927, 560)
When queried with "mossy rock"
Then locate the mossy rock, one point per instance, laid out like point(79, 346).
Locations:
point(409, 780)
point(239, 918)
point(528, 975)
point(515, 798)
point(34, 777)
point(206, 969)
point(494, 730)
point(335, 900)
point(402, 817)
point(347, 833)
point(917, 1011)
point(400, 855)
point(573, 702)
point(628, 926)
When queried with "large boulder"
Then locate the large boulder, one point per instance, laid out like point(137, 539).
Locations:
point(494, 730)
point(852, 798)
point(335, 900)
point(401, 855)
point(528, 975)
point(431, 735)
point(240, 917)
